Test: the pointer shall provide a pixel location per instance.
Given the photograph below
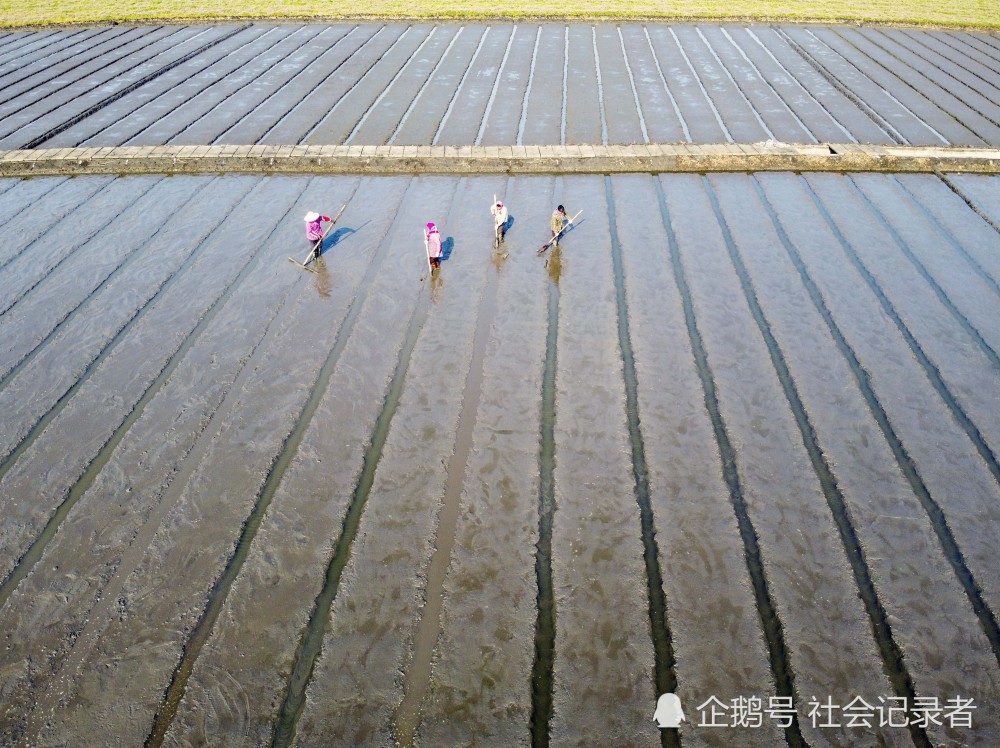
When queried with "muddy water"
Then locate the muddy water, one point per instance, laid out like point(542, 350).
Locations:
point(710, 606)
point(891, 523)
point(604, 658)
point(298, 536)
point(234, 470)
point(479, 687)
point(808, 570)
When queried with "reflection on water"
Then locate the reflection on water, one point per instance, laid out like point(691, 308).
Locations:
point(437, 285)
point(321, 278)
point(554, 264)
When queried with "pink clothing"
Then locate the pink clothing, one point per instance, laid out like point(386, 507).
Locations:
point(434, 243)
point(314, 231)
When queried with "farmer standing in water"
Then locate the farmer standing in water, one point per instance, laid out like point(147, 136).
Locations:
point(314, 230)
point(432, 238)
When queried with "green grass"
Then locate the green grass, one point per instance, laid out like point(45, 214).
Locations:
point(981, 14)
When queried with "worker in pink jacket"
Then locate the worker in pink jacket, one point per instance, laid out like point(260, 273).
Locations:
point(314, 229)
point(432, 237)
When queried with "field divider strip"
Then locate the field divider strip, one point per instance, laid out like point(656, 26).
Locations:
point(930, 369)
point(471, 160)
point(767, 611)
point(37, 141)
point(458, 89)
point(217, 597)
point(907, 466)
point(663, 80)
point(664, 675)
point(892, 656)
point(496, 86)
point(34, 553)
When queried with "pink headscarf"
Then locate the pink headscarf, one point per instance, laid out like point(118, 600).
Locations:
point(431, 228)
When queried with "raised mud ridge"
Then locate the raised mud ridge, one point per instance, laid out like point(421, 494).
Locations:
point(531, 159)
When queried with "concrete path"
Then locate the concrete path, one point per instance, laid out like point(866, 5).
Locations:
point(583, 159)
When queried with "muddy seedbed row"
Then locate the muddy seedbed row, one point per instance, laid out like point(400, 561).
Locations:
point(497, 84)
point(736, 438)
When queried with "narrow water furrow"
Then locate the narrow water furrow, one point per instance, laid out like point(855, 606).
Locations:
point(14, 210)
point(663, 80)
point(64, 50)
point(701, 86)
point(319, 83)
point(770, 623)
point(907, 466)
point(977, 267)
point(736, 85)
point(932, 57)
point(794, 79)
point(248, 82)
point(565, 86)
point(67, 210)
point(631, 81)
point(31, 71)
point(61, 86)
point(987, 219)
point(600, 86)
point(37, 548)
point(385, 91)
point(493, 90)
point(665, 676)
point(80, 242)
point(867, 74)
point(194, 96)
point(18, 41)
point(962, 320)
point(71, 313)
point(102, 125)
point(275, 90)
point(8, 460)
point(932, 372)
point(461, 83)
point(527, 91)
point(220, 590)
point(37, 141)
point(892, 656)
point(763, 79)
point(880, 122)
point(545, 623)
point(361, 78)
point(927, 82)
point(55, 71)
point(426, 83)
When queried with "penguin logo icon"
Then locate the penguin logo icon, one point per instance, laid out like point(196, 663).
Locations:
point(668, 711)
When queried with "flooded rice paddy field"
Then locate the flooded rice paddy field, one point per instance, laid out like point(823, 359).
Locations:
point(737, 437)
point(497, 84)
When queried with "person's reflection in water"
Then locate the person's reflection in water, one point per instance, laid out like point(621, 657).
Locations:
point(321, 278)
point(437, 286)
point(554, 264)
